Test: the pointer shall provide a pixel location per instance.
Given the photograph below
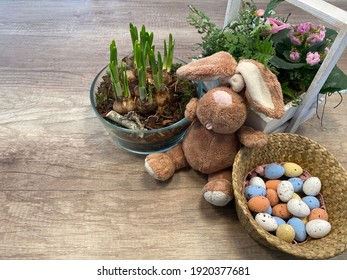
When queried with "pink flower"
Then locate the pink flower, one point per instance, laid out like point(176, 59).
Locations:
point(277, 25)
point(295, 40)
point(315, 38)
point(294, 55)
point(260, 12)
point(313, 58)
point(326, 50)
point(318, 35)
point(304, 27)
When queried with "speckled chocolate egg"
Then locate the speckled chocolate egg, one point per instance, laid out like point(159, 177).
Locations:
point(272, 184)
point(258, 204)
point(296, 196)
point(292, 169)
point(254, 190)
point(311, 201)
point(299, 228)
point(279, 221)
point(266, 221)
point(272, 196)
point(297, 184)
point(269, 210)
point(281, 210)
point(318, 214)
point(274, 171)
point(312, 186)
point(285, 191)
point(304, 220)
point(298, 208)
point(257, 181)
point(286, 233)
point(318, 228)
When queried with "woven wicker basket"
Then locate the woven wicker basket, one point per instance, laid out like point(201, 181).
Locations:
point(311, 156)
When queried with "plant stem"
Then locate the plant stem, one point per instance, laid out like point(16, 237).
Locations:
point(160, 72)
point(125, 80)
point(142, 84)
point(117, 89)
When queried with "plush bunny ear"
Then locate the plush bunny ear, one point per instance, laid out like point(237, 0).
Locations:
point(220, 65)
point(263, 91)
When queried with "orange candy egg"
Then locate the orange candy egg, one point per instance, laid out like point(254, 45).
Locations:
point(272, 196)
point(318, 214)
point(272, 184)
point(281, 210)
point(258, 204)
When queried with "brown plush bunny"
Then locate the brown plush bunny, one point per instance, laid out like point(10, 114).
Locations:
point(217, 132)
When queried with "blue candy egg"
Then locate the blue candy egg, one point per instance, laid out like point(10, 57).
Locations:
point(297, 183)
point(279, 220)
point(299, 228)
point(274, 171)
point(311, 201)
point(269, 210)
point(254, 190)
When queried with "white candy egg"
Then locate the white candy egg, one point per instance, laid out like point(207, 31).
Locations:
point(285, 190)
point(312, 186)
point(266, 221)
point(257, 181)
point(298, 208)
point(318, 228)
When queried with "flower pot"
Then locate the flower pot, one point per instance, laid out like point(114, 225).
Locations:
point(269, 125)
point(139, 141)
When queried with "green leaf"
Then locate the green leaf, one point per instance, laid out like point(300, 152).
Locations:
point(271, 6)
point(282, 64)
point(336, 81)
point(281, 36)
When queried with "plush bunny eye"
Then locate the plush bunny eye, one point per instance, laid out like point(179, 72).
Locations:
point(222, 97)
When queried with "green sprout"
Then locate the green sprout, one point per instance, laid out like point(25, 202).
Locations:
point(157, 70)
point(142, 84)
point(114, 73)
point(125, 80)
point(168, 53)
point(113, 52)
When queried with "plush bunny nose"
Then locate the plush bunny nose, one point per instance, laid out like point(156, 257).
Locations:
point(222, 97)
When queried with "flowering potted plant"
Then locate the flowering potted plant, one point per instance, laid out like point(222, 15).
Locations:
point(293, 52)
point(139, 98)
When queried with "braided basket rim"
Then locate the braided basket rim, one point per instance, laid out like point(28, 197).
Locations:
point(318, 161)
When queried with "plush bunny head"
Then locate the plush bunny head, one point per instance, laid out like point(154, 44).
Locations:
point(222, 110)
point(257, 84)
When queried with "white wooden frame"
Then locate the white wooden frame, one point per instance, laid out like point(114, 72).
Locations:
point(330, 14)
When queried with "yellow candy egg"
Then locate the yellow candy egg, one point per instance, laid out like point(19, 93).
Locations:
point(286, 233)
point(292, 169)
point(304, 220)
point(296, 196)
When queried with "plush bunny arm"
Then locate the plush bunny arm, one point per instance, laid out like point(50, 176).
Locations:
point(251, 138)
point(217, 66)
point(190, 112)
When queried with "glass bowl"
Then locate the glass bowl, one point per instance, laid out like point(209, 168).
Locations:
point(140, 141)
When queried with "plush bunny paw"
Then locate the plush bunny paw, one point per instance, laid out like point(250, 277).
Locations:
point(218, 192)
point(190, 112)
point(160, 166)
point(258, 139)
point(251, 138)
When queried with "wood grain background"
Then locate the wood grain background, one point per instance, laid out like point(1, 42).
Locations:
point(65, 191)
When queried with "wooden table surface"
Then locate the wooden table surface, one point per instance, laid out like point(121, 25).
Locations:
point(66, 192)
